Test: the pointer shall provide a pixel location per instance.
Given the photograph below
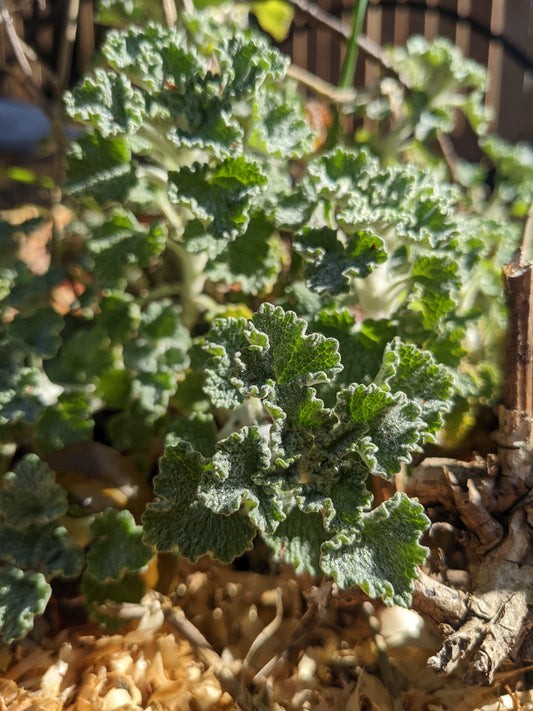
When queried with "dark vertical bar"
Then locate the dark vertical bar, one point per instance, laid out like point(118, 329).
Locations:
point(299, 41)
point(417, 18)
point(323, 54)
point(312, 47)
point(387, 25)
point(481, 12)
point(447, 10)
point(512, 86)
point(401, 23)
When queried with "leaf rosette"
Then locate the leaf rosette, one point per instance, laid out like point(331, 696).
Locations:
point(299, 474)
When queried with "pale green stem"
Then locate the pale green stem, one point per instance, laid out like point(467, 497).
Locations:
point(193, 280)
point(352, 47)
point(192, 265)
point(168, 153)
point(160, 292)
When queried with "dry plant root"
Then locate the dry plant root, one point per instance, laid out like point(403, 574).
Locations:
point(494, 500)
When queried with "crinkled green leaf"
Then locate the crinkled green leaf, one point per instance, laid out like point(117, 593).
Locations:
point(338, 173)
point(131, 429)
point(198, 429)
point(30, 494)
point(83, 358)
point(100, 168)
point(108, 102)
point(424, 381)
point(153, 390)
point(383, 428)
point(341, 501)
point(217, 132)
point(23, 594)
point(161, 322)
point(301, 428)
point(225, 339)
point(289, 206)
point(24, 393)
point(282, 353)
point(437, 281)
point(332, 258)
point(157, 354)
point(514, 173)
point(117, 546)
point(48, 548)
point(361, 346)
point(67, 421)
point(114, 388)
point(368, 196)
point(197, 238)
point(297, 541)
point(280, 128)
point(235, 480)
point(249, 60)
point(381, 558)
point(120, 242)
point(37, 332)
point(120, 315)
point(252, 261)
point(177, 519)
point(151, 55)
point(29, 291)
point(443, 80)
point(220, 198)
point(190, 99)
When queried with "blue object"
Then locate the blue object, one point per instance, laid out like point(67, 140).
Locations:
point(22, 126)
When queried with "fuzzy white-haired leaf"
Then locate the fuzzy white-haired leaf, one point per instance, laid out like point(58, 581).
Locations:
point(30, 494)
point(177, 519)
point(23, 594)
point(381, 557)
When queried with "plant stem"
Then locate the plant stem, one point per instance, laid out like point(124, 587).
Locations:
point(192, 283)
point(348, 66)
point(352, 47)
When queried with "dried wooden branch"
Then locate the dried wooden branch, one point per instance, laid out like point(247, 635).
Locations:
point(439, 603)
point(474, 514)
point(498, 609)
point(518, 276)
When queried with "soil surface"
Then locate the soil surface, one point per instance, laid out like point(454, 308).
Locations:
point(361, 657)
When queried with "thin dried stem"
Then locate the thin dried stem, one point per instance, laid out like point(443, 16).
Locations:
point(67, 46)
point(14, 39)
point(319, 86)
point(169, 11)
point(267, 632)
point(527, 237)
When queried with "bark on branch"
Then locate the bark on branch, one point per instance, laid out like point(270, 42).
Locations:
point(492, 623)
